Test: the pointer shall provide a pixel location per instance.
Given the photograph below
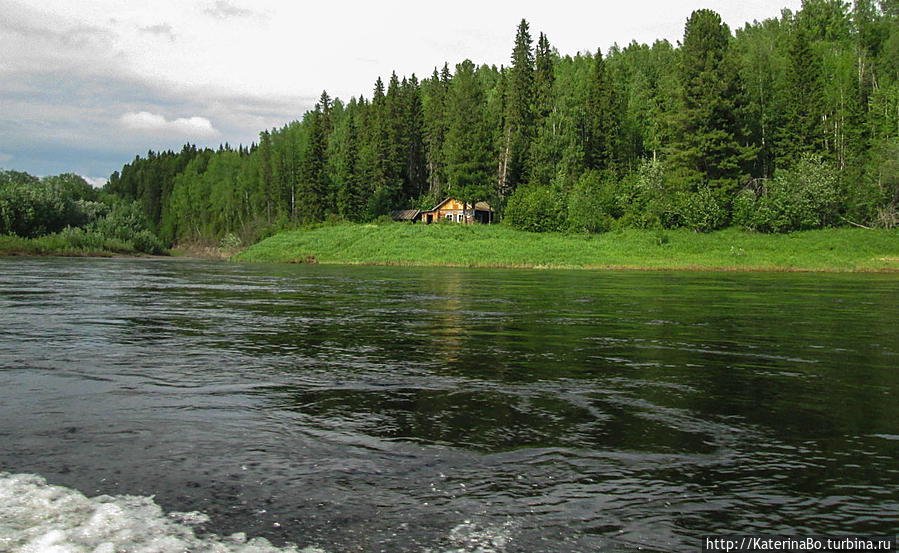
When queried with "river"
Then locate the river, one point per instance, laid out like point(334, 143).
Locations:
point(342, 408)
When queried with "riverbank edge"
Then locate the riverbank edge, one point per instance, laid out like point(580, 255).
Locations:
point(838, 250)
point(14, 246)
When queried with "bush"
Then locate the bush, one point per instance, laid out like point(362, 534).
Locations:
point(535, 209)
point(703, 210)
point(593, 204)
point(126, 222)
point(874, 199)
point(647, 202)
point(807, 196)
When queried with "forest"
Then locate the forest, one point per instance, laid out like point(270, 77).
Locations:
point(786, 124)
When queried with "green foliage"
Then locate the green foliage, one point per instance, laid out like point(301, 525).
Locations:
point(519, 129)
point(536, 209)
point(602, 121)
point(231, 241)
point(467, 160)
point(807, 196)
point(73, 215)
point(128, 223)
point(380, 204)
point(31, 207)
point(709, 146)
point(802, 131)
point(593, 203)
point(427, 201)
point(79, 239)
point(874, 199)
point(703, 210)
point(647, 201)
point(315, 180)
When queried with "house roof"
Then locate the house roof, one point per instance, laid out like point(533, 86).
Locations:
point(405, 214)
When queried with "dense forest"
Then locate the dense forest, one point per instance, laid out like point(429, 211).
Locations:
point(789, 123)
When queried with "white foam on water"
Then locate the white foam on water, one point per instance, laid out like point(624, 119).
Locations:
point(36, 517)
point(470, 537)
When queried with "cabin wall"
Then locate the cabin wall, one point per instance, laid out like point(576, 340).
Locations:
point(452, 208)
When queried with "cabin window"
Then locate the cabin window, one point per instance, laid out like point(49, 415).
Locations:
point(459, 217)
point(449, 216)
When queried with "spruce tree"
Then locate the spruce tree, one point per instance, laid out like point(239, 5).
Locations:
point(266, 186)
point(602, 122)
point(709, 146)
point(349, 194)
point(435, 123)
point(315, 186)
point(466, 154)
point(544, 78)
point(803, 131)
point(519, 119)
point(415, 171)
point(379, 148)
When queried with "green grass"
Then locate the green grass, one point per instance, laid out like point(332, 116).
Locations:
point(843, 249)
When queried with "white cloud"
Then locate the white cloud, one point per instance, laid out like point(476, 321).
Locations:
point(187, 127)
point(96, 182)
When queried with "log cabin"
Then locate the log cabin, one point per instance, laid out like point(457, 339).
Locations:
point(449, 209)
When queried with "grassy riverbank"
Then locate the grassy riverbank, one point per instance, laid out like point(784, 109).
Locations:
point(844, 249)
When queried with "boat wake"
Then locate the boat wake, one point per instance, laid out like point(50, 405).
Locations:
point(36, 517)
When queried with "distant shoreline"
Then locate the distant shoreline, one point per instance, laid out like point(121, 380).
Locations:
point(485, 246)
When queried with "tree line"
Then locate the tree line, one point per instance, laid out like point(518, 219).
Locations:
point(788, 123)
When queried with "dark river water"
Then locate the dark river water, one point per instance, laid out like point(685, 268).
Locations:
point(433, 410)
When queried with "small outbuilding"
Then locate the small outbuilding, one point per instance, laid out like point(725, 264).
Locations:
point(406, 215)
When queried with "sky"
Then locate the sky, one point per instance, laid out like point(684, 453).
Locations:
point(86, 86)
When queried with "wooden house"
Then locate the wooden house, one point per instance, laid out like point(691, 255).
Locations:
point(454, 210)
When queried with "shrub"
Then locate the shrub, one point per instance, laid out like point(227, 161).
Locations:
point(126, 222)
point(593, 204)
point(535, 209)
point(646, 200)
point(703, 210)
point(806, 196)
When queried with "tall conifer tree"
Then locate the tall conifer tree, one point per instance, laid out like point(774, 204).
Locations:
point(315, 185)
point(435, 123)
point(519, 119)
point(467, 158)
point(709, 146)
point(803, 130)
point(415, 172)
point(544, 78)
point(602, 120)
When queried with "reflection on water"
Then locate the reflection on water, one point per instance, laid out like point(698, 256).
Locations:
point(427, 409)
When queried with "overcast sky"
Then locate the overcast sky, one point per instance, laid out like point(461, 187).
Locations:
point(87, 85)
